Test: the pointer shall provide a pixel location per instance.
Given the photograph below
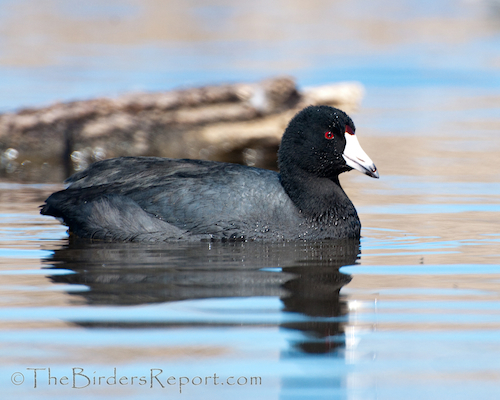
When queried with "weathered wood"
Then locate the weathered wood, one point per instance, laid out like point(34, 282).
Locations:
point(238, 122)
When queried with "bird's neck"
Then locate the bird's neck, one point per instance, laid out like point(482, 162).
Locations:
point(318, 198)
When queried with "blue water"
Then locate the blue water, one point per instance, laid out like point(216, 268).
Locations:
point(392, 46)
point(410, 312)
point(246, 311)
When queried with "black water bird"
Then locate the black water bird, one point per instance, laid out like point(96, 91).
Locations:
point(157, 199)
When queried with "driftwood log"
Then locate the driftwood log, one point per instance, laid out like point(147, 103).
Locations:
point(237, 123)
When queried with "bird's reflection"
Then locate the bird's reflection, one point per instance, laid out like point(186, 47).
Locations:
point(304, 275)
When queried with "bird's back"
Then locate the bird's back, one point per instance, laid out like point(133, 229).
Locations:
point(146, 198)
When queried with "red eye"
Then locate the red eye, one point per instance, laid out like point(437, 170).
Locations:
point(328, 135)
point(349, 130)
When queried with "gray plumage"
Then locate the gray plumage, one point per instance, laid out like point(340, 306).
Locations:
point(153, 199)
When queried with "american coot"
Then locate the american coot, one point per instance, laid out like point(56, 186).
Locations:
point(153, 199)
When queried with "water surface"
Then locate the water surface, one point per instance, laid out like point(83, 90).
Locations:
point(411, 311)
